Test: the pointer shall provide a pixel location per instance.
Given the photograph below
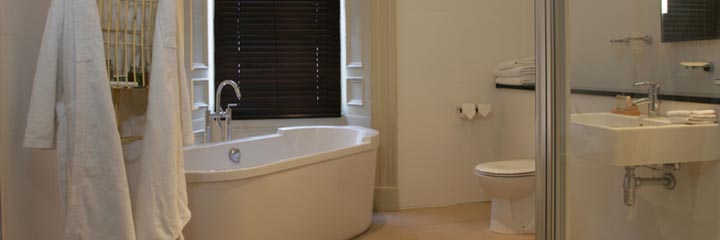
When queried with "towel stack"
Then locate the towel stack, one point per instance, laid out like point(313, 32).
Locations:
point(692, 117)
point(519, 72)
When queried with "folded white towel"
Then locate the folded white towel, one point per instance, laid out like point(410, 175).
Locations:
point(679, 113)
point(687, 120)
point(691, 121)
point(516, 72)
point(123, 84)
point(516, 63)
point(703, 117)
point(691, 112)
point(706, 111)
point(692, 117)
point(517, 81)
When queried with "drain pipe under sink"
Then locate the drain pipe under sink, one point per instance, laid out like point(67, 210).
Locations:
point(632, 183)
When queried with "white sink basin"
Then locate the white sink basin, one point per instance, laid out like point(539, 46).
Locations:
point(627, 141)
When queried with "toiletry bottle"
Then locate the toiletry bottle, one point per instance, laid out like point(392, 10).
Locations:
point(619, 102)
point(131, 74)
point(630, 108)
point(628, 102)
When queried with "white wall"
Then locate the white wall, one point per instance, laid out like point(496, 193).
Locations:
point(590, 26)
point(447, 51)
point(516, 110)
point(30, 196)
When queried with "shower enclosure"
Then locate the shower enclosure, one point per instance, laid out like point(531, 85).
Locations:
point(628, 144)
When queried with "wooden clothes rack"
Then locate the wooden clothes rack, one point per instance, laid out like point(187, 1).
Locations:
point(128, 31)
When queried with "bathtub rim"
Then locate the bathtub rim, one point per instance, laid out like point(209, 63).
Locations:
point(369, 142)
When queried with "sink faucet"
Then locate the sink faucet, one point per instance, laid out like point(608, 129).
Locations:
point(223, 118)
point(651, 99)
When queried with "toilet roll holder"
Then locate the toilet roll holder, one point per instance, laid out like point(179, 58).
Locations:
point(460, 110)
point(480, 110)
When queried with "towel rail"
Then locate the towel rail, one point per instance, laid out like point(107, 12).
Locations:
point(127, 28)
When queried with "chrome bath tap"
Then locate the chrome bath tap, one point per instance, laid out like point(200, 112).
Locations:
point(652, 99)
point(223, 118)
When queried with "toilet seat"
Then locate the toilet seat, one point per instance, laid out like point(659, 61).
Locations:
point(511, 168)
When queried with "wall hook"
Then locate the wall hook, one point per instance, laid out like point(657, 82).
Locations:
point(620, 40)
point(647, 39)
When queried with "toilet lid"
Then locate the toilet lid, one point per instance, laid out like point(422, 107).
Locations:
point(507, 168)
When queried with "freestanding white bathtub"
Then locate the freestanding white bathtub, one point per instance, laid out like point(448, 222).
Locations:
point(302, 183)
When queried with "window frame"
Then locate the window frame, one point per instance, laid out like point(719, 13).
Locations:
point(338, 79)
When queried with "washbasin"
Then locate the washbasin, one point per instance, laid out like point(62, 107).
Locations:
point(621, 140)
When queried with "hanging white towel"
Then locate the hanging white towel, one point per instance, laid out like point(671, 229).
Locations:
point(71, 89)
point(160, 197)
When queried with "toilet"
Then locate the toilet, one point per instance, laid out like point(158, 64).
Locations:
point(512, 186)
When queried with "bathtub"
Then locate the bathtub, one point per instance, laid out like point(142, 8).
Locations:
point(302, 183)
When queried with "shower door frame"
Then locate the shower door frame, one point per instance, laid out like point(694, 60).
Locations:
point(551, 94)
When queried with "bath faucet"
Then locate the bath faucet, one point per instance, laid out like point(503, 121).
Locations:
point(652, 99)
point(223, 118)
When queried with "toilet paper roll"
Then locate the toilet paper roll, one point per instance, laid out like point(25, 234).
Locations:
point(484, 109)
point(468, 110)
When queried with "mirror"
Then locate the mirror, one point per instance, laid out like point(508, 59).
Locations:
point(597, 64)
point(686, 20)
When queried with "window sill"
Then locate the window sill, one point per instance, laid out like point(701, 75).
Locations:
point(276, 123)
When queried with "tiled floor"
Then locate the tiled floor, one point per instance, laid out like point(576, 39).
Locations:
point(460, 222)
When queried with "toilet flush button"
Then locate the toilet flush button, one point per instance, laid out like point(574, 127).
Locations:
point(717, 82)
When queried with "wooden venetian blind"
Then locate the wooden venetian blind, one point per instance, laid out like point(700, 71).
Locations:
point(284, 54)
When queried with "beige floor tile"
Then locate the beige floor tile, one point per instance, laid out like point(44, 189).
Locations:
point(386, 226)
point(387, 233)
point(472, 211)
point(499, 236)
point(467, 230)
point(390, 219)
point(465, 221)
point(422, 217)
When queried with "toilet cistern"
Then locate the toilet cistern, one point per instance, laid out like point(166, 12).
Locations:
point(223, 118)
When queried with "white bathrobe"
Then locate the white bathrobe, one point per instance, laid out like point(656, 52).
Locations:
point(71, 105)
point(160, 198)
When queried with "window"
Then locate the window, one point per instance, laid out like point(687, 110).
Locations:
point(284, 54)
